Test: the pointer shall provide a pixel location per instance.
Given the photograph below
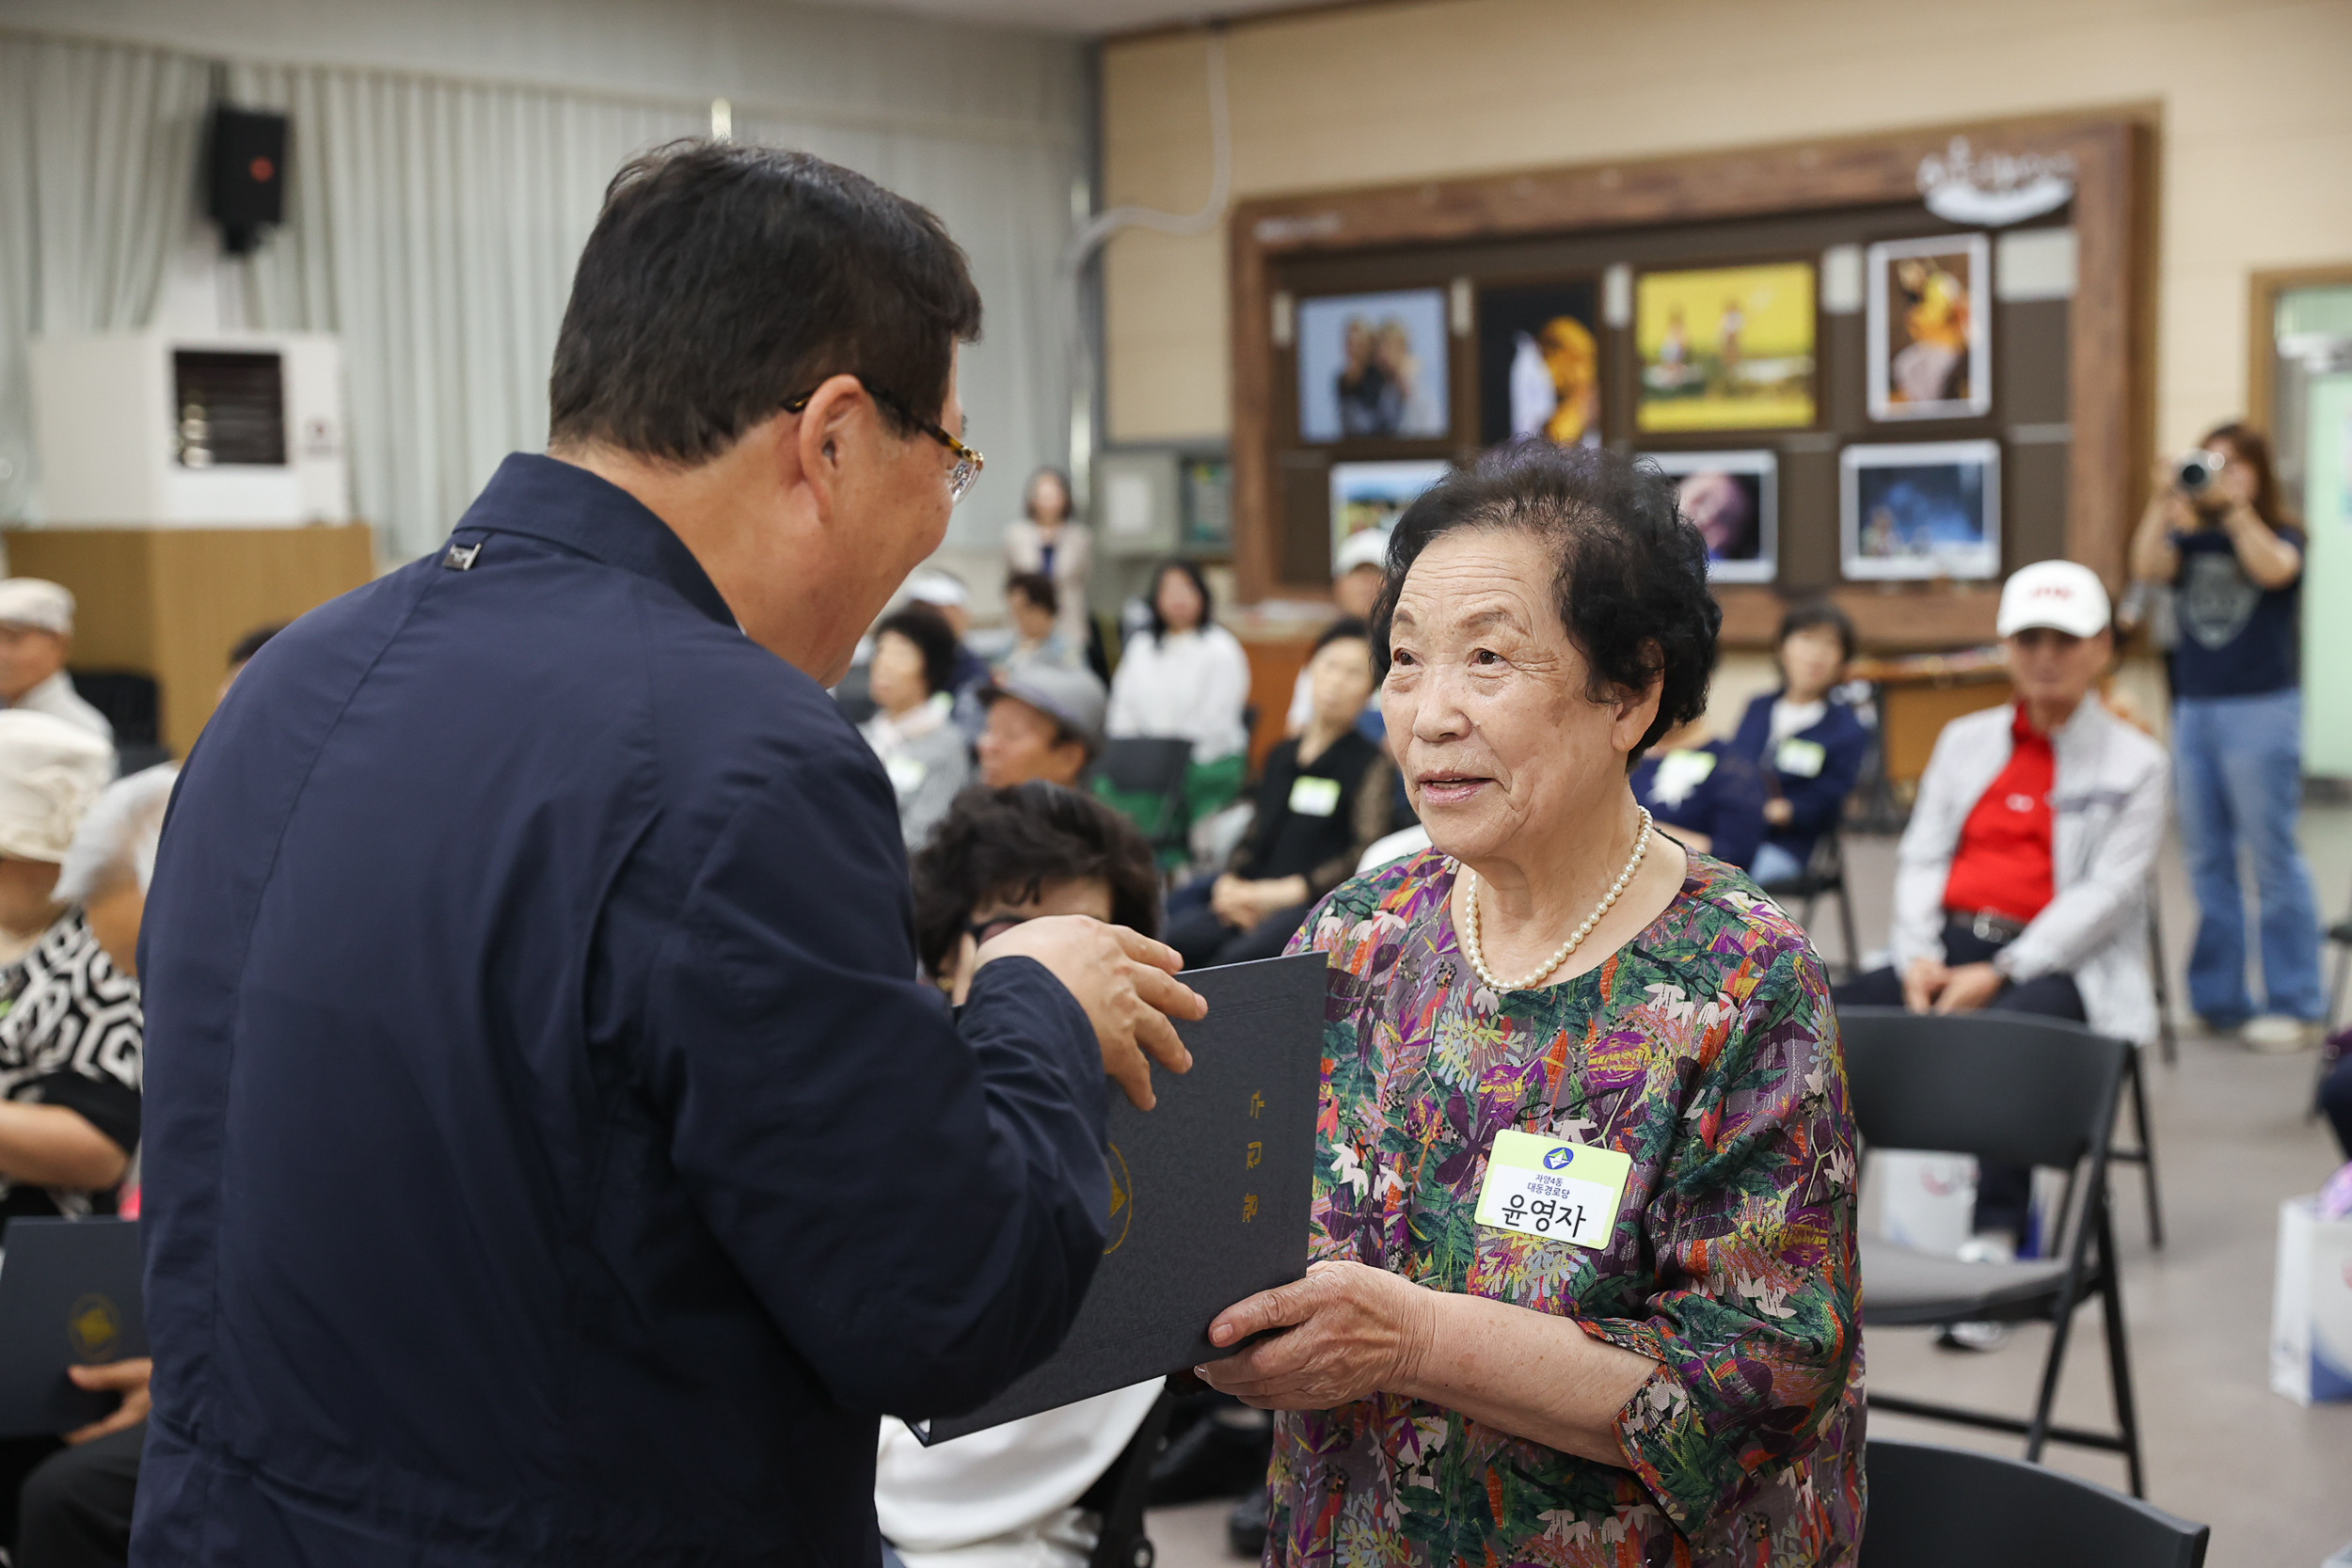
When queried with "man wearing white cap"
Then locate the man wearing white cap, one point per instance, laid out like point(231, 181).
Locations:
point(36, 635)
point(2022, 878)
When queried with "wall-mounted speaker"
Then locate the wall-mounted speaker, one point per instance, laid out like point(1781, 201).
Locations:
point(244, 175)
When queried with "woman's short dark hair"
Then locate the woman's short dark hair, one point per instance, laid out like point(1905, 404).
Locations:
point(1038, 589)
point(723, 280)
point(1805, 614)
point(1629, 575)
point(1009, 842)
point(932, 637)
point(1340, 631)
point(1200, 584)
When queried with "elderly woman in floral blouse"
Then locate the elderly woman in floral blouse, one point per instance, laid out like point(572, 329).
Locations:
point(1584, 1214)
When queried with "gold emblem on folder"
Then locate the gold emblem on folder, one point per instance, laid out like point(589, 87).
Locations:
point(93, 1326)
point(1122, 1201)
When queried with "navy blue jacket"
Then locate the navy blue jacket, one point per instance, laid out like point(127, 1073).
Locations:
point(550, 1155)
point(1728, 805)
point(1815, 801)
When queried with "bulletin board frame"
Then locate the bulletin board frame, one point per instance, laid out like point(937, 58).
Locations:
point(2108, 351)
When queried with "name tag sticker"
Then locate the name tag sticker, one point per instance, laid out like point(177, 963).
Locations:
point(906, 775)
point(1314, 796)
point(1553, 1188)
point(1801, 759)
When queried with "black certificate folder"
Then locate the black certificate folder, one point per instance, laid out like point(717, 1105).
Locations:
point(69, 1293)
point(1210, 1192)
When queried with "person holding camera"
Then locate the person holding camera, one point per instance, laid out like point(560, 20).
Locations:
point(2215, 531)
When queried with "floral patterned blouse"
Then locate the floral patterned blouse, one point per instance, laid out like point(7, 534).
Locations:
point(1707, 1051)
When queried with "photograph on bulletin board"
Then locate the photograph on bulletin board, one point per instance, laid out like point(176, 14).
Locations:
point(1928, 510)
point(1369, 495)
point(1372, 366)
point(1726, 348)
point(1539, 364)
point(1931, 328)
point(1733, 499)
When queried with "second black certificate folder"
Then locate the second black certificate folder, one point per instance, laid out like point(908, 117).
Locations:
point(1210, 1192)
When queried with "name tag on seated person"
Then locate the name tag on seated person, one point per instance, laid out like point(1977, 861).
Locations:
point(1801, 759)
point(1312, 796)
point(1553, 1188)
point(906, 775)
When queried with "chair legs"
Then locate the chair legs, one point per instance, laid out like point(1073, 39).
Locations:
point(2167, 1036)
point(2142, 1152)
point(2119, 1357)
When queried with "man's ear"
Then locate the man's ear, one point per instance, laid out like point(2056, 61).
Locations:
point(831, 430)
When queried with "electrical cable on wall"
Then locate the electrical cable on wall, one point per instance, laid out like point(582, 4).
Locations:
point(1090, 239)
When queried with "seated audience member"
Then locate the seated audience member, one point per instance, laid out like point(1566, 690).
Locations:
point(1048, 539)
point(1186, 677)
point(1359, 569)
point(944, 592)
point(925, 755)
point(1043, 724)
point(1809, 749)
point(1008, 1495)
point(36, 638)
point(1035, 605)
point(1324, 801)
point(1705, 793)
point(70, 1035)
point(2020, 883)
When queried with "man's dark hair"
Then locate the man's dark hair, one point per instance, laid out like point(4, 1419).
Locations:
point(1038, 589)
point(932, 637)
point(1630, 571)
point(251, 643)
point(722, 280)
point(1009, 842)
point(1807, 613)
point(1159, 575)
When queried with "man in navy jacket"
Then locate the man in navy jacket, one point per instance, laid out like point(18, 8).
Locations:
point(551, 1157)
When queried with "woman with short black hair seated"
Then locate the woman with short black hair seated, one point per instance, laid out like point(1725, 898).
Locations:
point(1808, 746)
point(912, 682)
point(1323, 801)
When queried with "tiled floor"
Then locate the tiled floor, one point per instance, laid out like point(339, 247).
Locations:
point(2274, 1479)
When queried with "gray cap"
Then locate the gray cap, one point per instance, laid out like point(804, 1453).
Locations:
point(1073, 696)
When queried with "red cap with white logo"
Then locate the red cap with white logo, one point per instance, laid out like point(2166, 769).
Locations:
point(2062, 593)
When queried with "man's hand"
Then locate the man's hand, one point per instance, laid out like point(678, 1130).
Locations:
point(1924, 979)
point(1968, 988)
point(1352, 1331)
point(127, 1378)
point(1124, 980)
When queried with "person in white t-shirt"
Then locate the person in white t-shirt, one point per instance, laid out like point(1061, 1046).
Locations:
point(1187, 678)
point(36, 638)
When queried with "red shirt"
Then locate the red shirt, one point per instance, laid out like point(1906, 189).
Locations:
point(2004, 862)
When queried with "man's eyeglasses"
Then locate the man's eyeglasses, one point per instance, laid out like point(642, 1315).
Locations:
point(996, 925)
point(968, 462)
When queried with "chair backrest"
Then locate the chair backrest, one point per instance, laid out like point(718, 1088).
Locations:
point(1145, 765)
point(1119, 1493)
point(2009, 1087)
point(1950, 1508)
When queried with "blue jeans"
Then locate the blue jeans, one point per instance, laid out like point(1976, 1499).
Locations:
point(2238, 767)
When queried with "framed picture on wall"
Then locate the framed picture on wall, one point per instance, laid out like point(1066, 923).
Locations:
point(1539, 363)
point(1372, 366)
point(1374, 495)
point(1924, 510)
point(1930, 355)
point(1734, 498)
point(1726, 348)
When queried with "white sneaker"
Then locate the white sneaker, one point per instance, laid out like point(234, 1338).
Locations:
point(1977, 1337)
point(2274, 1034)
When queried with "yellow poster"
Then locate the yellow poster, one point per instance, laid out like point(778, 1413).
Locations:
point(1726, 348)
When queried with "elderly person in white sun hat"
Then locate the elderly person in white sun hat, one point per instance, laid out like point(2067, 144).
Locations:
point(36, 638)
point(2022, 880)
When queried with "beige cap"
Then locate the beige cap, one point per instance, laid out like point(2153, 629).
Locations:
point(37, 603)
point(50, 772)
point(1365, 547)
point(2062, 593)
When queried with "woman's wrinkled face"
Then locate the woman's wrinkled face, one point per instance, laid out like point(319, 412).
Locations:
point(1485, 701)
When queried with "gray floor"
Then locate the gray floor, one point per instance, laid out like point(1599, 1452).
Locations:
point(2274, 1479)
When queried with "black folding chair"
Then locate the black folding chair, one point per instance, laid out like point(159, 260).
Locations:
point(1823, 876)
point(2339, 938)
point(1949, 1508)
point(2167, 1034)
point(1119, 1494)
point(2011, 1089)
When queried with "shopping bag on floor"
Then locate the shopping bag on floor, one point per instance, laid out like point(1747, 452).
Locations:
point(2311, 1315)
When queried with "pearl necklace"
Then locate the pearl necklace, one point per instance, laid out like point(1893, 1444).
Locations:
point(1469, 932)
